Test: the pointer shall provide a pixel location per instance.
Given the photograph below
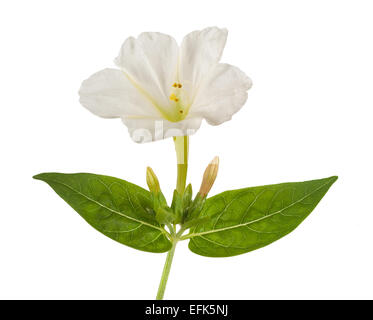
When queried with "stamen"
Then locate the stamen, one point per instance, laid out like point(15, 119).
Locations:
point(173, 97)
point(177, 85)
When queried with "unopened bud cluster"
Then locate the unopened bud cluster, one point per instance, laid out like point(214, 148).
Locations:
point(183, 209)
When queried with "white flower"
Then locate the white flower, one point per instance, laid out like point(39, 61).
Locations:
point(165, 90)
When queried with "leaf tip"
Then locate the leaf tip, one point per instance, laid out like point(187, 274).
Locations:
point(333, 178)
point(39, 176)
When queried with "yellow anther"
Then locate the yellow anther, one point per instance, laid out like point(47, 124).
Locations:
point(173, 97)
point(177, 85)
point(176, 96)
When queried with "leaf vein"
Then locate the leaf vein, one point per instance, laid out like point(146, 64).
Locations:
point(111, 210)
point(199, 234)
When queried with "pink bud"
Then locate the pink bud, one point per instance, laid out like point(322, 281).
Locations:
point(209, 177)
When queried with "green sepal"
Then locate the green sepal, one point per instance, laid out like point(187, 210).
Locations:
point(187, 197)
point(159, 201)
point(177, 206)
point(181, 203)
point(164, 216)
point(195, 208)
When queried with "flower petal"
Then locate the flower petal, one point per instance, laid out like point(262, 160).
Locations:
point(162, 52)
point(200, 51)
point(147, 130)
point(151, 61)
point(223, 93)
point(109, 94)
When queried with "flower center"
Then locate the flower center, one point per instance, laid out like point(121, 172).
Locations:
point(176, 96)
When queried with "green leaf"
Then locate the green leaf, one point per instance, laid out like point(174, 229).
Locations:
point(247, 219)
point(119, 209)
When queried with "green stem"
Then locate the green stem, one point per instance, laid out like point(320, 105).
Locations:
point(166, 271)
point(182, 148)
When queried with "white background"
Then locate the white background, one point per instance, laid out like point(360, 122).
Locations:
point(308, 115)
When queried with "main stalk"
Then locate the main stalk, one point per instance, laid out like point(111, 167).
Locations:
point(182, 148)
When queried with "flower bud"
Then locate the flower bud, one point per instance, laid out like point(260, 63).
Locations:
point(152, 181)
point(209, 177)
